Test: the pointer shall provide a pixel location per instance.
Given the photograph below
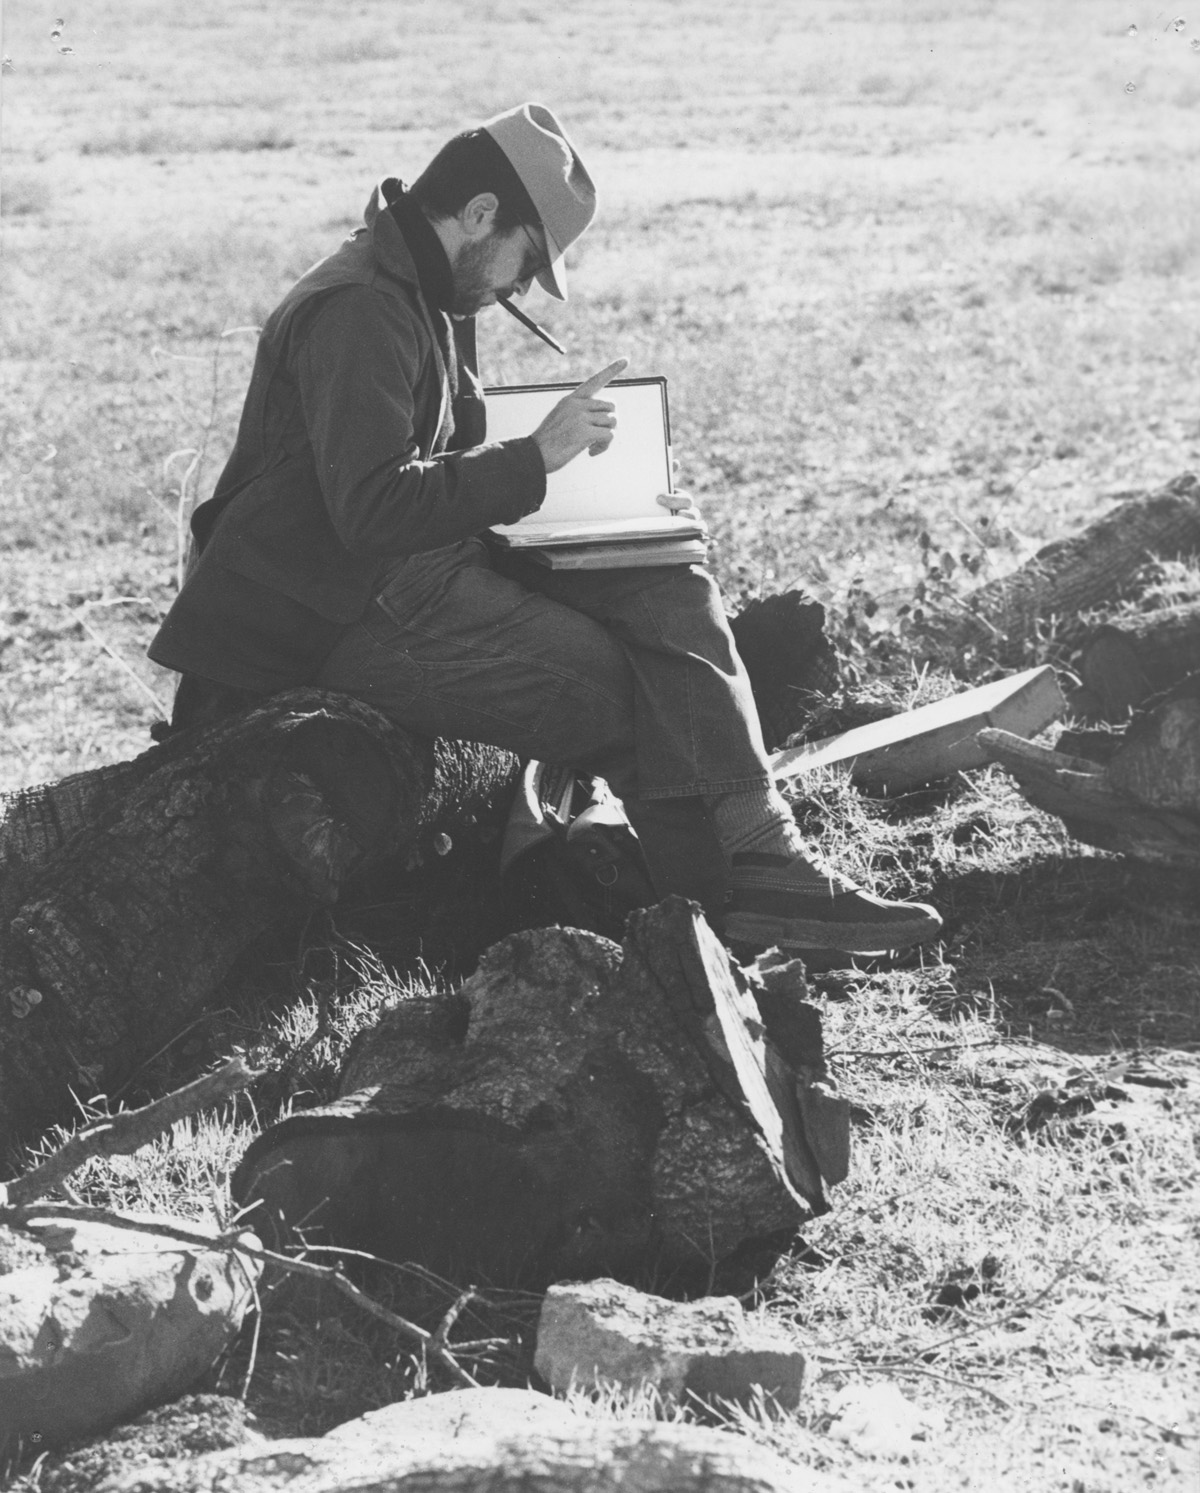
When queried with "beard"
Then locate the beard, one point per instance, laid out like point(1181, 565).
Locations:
point(472, 278)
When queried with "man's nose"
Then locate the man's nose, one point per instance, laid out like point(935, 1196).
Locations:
point(522, 287)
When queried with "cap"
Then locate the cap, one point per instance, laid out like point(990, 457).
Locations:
point(555, 178)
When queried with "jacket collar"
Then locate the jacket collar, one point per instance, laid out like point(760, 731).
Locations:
point(391, 253)
point(405, 244)
point(394, 257)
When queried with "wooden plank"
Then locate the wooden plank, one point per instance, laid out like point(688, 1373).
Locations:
point(935, 740)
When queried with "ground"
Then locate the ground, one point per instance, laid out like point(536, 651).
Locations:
point(923, 281)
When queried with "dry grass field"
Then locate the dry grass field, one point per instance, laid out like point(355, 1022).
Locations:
point(912, 270)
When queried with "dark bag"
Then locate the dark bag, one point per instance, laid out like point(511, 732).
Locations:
point(569, 846)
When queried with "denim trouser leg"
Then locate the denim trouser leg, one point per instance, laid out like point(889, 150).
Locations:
point(635, 680)
point(696, 726)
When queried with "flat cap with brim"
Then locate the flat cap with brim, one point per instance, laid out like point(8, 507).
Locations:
point(555, 178)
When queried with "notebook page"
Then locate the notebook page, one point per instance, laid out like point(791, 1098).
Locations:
point(622, 482)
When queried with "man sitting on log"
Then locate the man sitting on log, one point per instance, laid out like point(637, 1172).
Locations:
point(345, 547)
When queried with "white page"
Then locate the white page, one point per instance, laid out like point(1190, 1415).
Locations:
point(623, 482)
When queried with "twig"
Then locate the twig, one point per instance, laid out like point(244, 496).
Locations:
point(118, 660)
point(251, 1280)
point(194, 471)
point(914, 1368)
point(904, 1052)
point(239, 1242)
point(23, 1214)
point(442, 1331)
point(181, 510)
point(475, 1345)
point(440, 1354)
point(126, 1132)
point(430, 1277)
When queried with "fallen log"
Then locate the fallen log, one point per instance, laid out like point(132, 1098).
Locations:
point(1124, 663)
point(575, 1110)
point(997, 622)
point(128, 893)
point(171, 866)
point(501, 1440)
point(1144, 802)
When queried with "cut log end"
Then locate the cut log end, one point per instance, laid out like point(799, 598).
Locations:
point(594, 1114)
point(1124, 663)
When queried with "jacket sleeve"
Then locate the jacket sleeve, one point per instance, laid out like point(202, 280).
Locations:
point(358, 367)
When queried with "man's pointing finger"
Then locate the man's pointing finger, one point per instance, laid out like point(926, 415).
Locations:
point(597, 381)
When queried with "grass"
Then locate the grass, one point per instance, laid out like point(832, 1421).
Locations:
point(924, 281)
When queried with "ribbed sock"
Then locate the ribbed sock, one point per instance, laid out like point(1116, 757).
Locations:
point(755, 819)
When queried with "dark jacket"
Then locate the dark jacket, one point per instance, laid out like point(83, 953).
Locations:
point(359, 443)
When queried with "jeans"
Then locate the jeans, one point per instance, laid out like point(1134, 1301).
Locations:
point(628, 674)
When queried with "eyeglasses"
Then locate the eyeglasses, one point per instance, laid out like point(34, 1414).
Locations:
point(541, 260)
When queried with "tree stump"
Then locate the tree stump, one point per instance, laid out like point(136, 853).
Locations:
point(1124, 663)
point(140, 886)
point(1000, 619)
point(577, 1109)
point(791, 663)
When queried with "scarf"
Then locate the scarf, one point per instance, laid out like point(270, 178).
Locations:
point(434, 274)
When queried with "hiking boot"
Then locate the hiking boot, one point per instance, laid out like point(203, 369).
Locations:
point(792, 903)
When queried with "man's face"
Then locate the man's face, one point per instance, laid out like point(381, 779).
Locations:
point(495, 267)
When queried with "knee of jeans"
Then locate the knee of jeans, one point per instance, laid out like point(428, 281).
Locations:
point(687, 594)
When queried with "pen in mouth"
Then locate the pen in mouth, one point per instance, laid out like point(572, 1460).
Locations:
point(528, 321)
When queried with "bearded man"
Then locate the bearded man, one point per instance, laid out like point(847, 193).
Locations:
point(344, 547)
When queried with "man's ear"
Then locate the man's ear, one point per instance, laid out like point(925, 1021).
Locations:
point(478, 216)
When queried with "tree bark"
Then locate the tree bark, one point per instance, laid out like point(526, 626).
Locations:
point(575, 1110)
point(139, 894)
point(998, 622)
point(1144, 802)
point(1124, 663)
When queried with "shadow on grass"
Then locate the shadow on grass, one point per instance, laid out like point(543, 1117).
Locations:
point(1087, 954)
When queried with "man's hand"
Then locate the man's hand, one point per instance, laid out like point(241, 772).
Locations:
point(580, 421)
point(681, 505)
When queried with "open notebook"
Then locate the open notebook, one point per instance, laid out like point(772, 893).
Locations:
point(600, 512)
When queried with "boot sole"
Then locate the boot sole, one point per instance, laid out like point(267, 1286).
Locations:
point(806, 933)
